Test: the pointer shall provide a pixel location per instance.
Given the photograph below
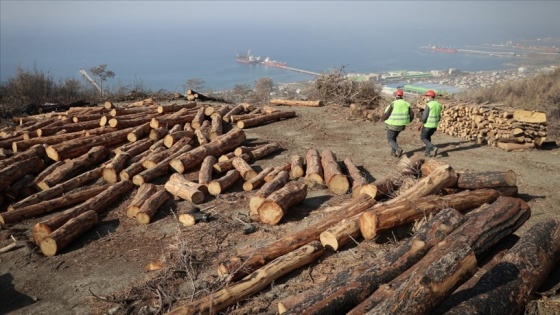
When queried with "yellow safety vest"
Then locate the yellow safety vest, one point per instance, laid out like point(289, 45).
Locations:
point(399, 116)
point(434, 115)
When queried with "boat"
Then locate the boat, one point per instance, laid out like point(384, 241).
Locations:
point(273, 63)
point(440, 48)
point(247, 58)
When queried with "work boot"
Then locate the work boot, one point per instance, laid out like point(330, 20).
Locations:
point(435, 151)
point(399, 152)
point(427, 154)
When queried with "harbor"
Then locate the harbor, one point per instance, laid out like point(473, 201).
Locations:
point(248, 58)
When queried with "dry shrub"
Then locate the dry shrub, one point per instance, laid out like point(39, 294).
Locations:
point(544, 306)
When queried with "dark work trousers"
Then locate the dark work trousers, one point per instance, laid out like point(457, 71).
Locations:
point(426, 137)
point(392, 139)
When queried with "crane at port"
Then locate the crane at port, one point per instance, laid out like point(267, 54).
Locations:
point(89, 79)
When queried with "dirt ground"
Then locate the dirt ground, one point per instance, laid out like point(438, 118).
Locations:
point(104, 271)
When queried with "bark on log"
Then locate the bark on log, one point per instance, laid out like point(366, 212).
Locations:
point(277, 204)
point(49, 169)
point(185, 189)
point(224, 143)
point(257, 181)
point(225, 157)
point(18, 169)
point(52, 205)
point(507, 287)
point(476, 180)
point(59, 189)
point(280, 102)
point(335, 180)
point(509, 147)
point(216, 128)
point(221, 111)
point(236, 118)
point(263, 119)
point(22, 145)
point(112, 169)
point(36, 150)
point(139, 132)
point(205, 173)
point(284, 167)
point(314, 171)
point(142, 194)
point(431, 165)
point(385, 217)
point(158, 133)
point(264, 150)
point(172, 138)
point(22, 188)
point(158, 122)
point(151, 206)
point(75, 166)
point(234, 111)
point(257, 200)
point(244, 169)
point(135, 148)
point(71, 230)
point(99, 204)
point(239, 266)
point(135, 165)
point(253, 283)
point(198, 118)
point(175, 107)
point(351, 286)
point(297, 166)
point(160, 169)
point(218, 185)
point(182, 145)
point(442, 177)
point(120, 123)
point(201, 137)
point(358, 180)
point(224, 166)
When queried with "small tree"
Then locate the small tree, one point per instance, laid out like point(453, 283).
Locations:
point(195, 84)
point(263, 88)
point(102, 73)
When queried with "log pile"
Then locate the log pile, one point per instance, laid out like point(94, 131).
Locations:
point(510, 130)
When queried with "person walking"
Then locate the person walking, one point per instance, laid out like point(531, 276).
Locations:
point(397, 116)
point(430, 120)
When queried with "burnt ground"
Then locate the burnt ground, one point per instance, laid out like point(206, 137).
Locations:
point(104, 271)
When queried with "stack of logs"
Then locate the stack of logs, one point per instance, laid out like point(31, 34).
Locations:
point(510, 130)
point(444, 267)
point(79, 163)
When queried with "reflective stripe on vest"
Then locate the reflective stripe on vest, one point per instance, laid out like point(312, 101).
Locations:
point(434, 115)
point(399, 116)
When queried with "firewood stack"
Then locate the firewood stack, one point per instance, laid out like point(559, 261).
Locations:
point(511, 130)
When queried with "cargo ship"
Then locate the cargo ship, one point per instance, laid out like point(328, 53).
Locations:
point(273, 63)
point(247, 58)
point(440, 49)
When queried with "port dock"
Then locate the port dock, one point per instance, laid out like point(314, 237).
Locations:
point(294, 69)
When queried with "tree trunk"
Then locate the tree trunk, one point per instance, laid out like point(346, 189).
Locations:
point(160, 169)
point(507, 287)
point(175, 107)
point(217, 186)
point(151, 206)
point(19, 169)
point(36, 150)
point(263, 119)
point(253, 283)
point(279, 102)
point(239, 266)
point(297, 167)
point(157, 122)
point(182, 188)
point(99, 204)
point(477, 180)
point(135, 148)
point(277, 204)
point(216, 128)
point(244, 169)
point(358, 180)
point(71, 230)
point(284, 167)
point(206, 169)
point(335, 180)
point(135, 164)
point(139, 132)
point(52, 205)
point(385, 217)
point(142, 194)
point(69, 169)
point(353, 285)
point(314, 171)
point(113, 168)
point(224, 166)
point(257, 181)
point(234, 111)
point(257, 200)
point(199, 118)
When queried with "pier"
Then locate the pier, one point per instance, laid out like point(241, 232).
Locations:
point(293, 69)
point(488, 53)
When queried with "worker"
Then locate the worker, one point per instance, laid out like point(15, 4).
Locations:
point(397, 116)
point(430, 120)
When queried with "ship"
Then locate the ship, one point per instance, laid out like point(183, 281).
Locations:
point(247, 58)
point(440, 48)
point(273, 63)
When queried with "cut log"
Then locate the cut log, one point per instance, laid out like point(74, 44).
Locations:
point(139, 132)
point(527, 116)
point(158, 133)
point(49, 169)
point(226, 157)
point(22, 145)
point(224, 166)
point(234, 111)
point(431, 165)
point(22, 188)
point(353, 285)
point(258, 180)
point(100, 203)
point(314, 171)
point(264, 150)
point(164, 121)
point(507, 287)
point(280, 102)
point(216, 128)
point(442, 177)
point(477, 180)
point(335, 180)
point(218, 185)
point(236, 118)
point(192, 218)
point(112, 169)
point(135, 164)
point(135, 148)
point(277, 204)
point(238, 266)
point(170, 139)
point(151, 206)
point(198, 118)
point(75, 166)
point(12, 173)
point(121, 123)
point(71, 198)
point(387, 216)
point(296, 166)
point(221, 111)
point(509, 147)
point(36, 150)
point(263, 119)
point(244, 169)
point(183, 145)
point(160, 169)
point(142, 194)
point(284, 167)
point(71, 230)
point(185, 189)
point(253, 283)
point(175, 107)
point(257, 200)
point(205, 173)
point(358, 180)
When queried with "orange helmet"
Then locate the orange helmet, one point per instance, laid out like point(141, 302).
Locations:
point(430, 93)
point(399, 93)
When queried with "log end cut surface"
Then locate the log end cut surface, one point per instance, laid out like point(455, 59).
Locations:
point(270, 213)
point(338, 184)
